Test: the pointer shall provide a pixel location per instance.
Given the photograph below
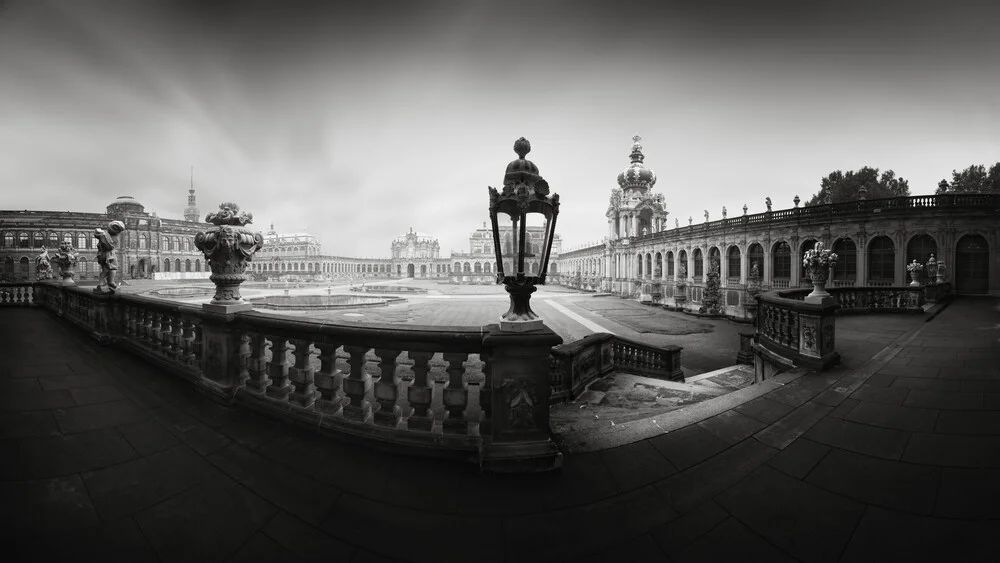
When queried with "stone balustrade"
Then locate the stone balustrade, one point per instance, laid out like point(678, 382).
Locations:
point(793, 332)
point(470, 393)
point(575, 365)
point(17, 294)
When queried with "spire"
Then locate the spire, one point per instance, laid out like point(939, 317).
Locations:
point(191, 212)
point(636, 155)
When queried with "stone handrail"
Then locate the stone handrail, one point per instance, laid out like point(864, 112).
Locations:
point(860, 300)
point(576, 364)
point(470, 393)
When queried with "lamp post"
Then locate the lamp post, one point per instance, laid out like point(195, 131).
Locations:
point(522, 258)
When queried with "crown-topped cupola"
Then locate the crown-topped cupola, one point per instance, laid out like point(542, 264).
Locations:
point(636, 176)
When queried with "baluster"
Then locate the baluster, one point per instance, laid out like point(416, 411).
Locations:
point(154, 331)
point(357, 384)
point(388, 412)
point(486, 396)
point(189, 357)
point(243, 356)
point(420, 393)
point(127, 321)
point(455, 396)
point(176, 338)
point(278, 369)
point(301, 375)
point(328, 379)
point(257, 364)
point(166, 327)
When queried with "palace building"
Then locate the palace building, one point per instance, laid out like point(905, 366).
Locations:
point(159, 248)
point(642, 257)
point(149, 244)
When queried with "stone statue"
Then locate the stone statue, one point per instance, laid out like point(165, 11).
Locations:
point(677, 223)
point(723, 211)
point(616, 198)
point(42, 267)
point(107, 258)
point(768, 202)
point(706, 215)
point(745, 209)
point(690, 220)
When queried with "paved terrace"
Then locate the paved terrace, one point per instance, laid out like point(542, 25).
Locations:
point(893, 456)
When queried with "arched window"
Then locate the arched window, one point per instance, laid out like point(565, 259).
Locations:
point(54, 240)
point(84, 267)
point(8, 266)
point(534, 267)
point(808, 245)
point(782, 261)
point(143, 241)
point(920, 249)
point(187, 265)
point(8, 240)
point(177, 265)
point(972, 265)
point(467, 268)
point(682, 263)
point(699, 263)
point(658, 269)
point(733, 257)
point(553, 269)
point(755, 256)
point(649, 265)
point(197, 265)
point(881, 260)
point(846, 268)
point(166, 265)
point(670, 263)
point(25, 268)
point(713, 258)
point(479, 267)
point(38, 239)
point(81, 240)
point(22, 240)
point(638, 265)
point(486, 267)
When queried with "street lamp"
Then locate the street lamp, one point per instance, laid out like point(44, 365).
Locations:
point(523, 217)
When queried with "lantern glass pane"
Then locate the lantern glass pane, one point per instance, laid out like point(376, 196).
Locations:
point(508, 243)
point(537, 240)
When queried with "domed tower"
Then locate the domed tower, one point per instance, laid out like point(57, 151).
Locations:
point(636, 179)
point(125, 205)
point(634, 209)
point(191, 212)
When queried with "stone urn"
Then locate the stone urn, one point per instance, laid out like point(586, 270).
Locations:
point(819, 275)
point(66, 258)
point(941, 271)
point(228, 249)
point(915, 269)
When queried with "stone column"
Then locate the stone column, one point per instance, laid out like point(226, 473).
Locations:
point(520, 438)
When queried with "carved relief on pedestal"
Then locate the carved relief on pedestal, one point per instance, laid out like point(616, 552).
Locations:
point(809, 336)
point(519, 394)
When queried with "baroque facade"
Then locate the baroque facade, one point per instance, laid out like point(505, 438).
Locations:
point(874, 239)
point(150, 244)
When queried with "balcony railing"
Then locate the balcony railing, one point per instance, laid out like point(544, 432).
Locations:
point(423, 389)
point(576, 364)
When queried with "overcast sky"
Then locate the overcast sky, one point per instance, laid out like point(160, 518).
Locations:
point(358, 120)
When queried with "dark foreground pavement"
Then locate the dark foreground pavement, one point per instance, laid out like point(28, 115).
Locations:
point(893, 456)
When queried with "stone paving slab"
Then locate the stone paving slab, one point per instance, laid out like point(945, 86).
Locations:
point(861, 462)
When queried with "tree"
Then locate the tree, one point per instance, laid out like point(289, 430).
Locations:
point(840, 187)
point(973, 180)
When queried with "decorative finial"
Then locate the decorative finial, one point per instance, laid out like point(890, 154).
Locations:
point(796, 201)
point(522, 147)
point(745, 209)
point(636, 138)
point(723, 211)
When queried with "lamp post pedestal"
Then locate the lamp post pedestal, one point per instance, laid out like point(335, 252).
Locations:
point(519, 317)
point(519, 438)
